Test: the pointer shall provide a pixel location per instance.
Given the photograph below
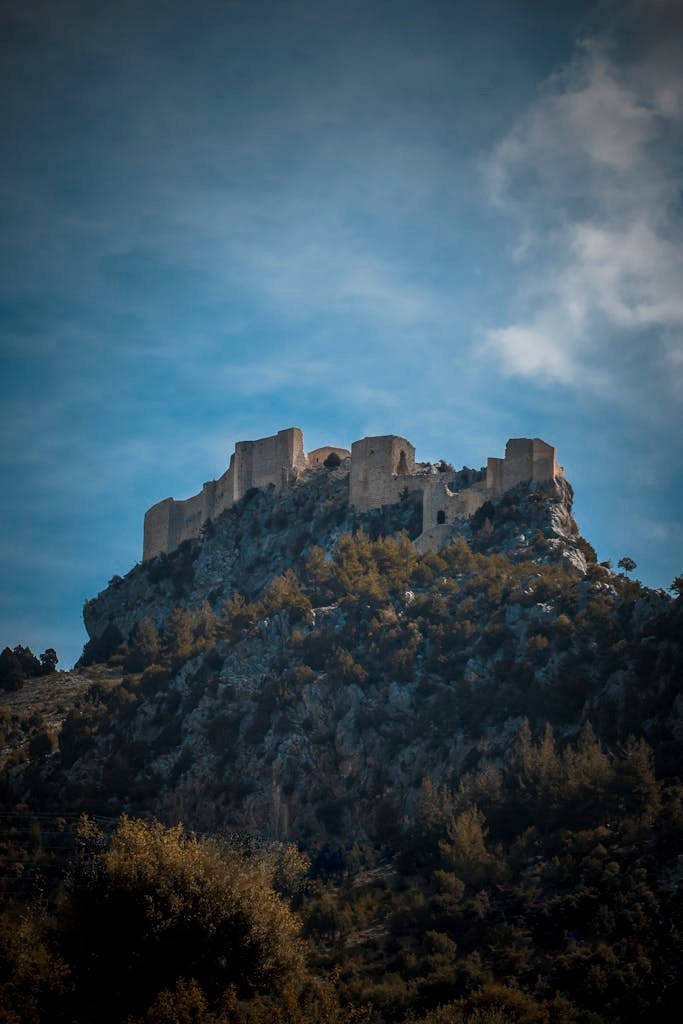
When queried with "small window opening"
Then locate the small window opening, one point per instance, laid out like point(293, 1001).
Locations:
point(440, 517)
point(402, 468)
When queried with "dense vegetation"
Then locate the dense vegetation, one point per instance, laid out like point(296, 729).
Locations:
point(547, 889)
point(20, 664)
point(153, 925)
point(489, 640)
point(540, 882)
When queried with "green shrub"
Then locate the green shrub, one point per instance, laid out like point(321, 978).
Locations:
point(342, 666)
point(284, 594)
point(158, 906)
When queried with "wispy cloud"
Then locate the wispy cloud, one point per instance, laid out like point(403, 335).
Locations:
point(590, 176)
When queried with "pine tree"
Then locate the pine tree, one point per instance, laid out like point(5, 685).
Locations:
point(179, 635)
point(147, 640)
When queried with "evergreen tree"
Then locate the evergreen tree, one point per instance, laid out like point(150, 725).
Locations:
point(179, 635)
point(48, 661)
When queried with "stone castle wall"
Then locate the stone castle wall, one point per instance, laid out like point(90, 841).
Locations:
point(381, 467)
point(382, 470)
point(526, 459)
point(272, 460)
point(157, 529)
point(318, 455)
point(441, 505)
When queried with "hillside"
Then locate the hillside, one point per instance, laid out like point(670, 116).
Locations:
point(475, 747)
point(287, 676)
point(269, 531)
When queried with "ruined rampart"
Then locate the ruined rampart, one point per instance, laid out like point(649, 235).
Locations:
point(319, 455)
point(382, 471)
point(275, 461)
point(380, 467)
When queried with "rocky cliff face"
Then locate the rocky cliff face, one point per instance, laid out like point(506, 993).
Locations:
point(353, 668)
point(328, 728)
point(251, 543)
point(529, 522)
point(372, 703)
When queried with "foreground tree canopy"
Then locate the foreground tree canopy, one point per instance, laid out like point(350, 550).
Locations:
point(150, 910)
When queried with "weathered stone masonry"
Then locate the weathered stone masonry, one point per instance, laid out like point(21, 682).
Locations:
point(381, 470)
point(277, 460)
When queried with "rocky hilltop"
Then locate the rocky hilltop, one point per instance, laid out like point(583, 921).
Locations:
point(269, 531)
point(473, 744)
point(299, 669)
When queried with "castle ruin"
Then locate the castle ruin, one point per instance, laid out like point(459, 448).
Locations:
point(382, 470)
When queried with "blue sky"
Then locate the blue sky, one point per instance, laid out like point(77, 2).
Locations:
point(451, 221)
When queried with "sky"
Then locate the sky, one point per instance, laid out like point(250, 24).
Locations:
point(455, 222)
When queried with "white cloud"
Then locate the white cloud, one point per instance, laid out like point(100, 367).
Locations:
point(590, 174)
point(631, 274)
point(531, 350)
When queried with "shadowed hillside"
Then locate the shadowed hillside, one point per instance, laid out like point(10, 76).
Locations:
point(475, 751)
